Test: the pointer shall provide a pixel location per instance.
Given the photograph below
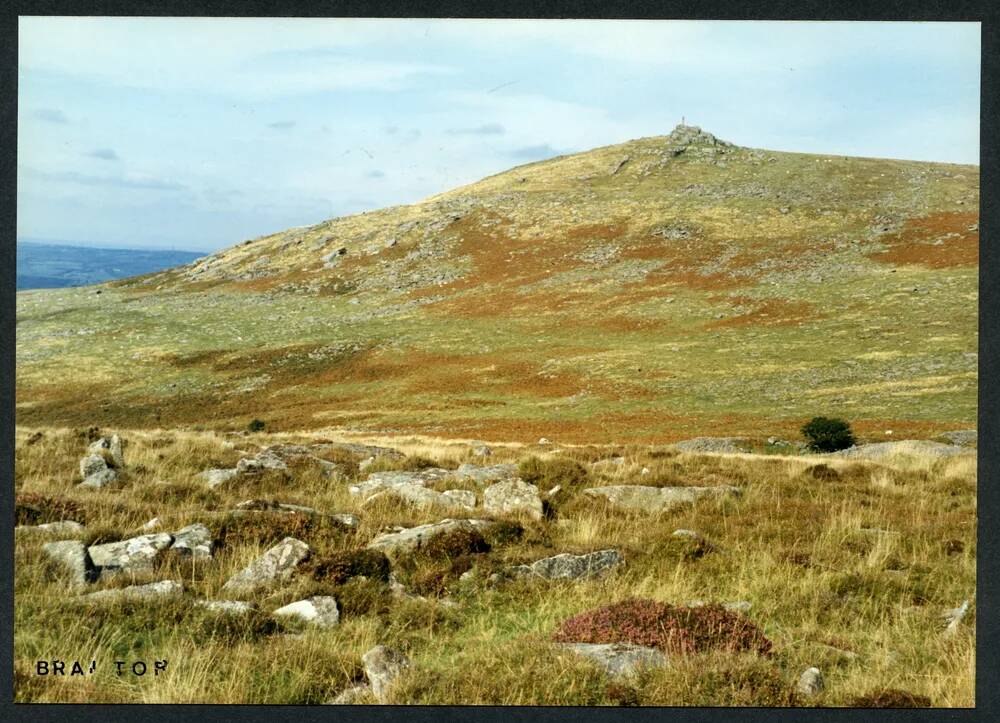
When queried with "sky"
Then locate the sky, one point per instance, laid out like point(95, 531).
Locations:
point(197, 134)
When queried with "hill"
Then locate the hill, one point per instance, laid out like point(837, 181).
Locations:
point(51, 265)
point(642, 292)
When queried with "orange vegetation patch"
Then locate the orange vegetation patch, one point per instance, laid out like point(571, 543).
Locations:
point(503, 263)
point(938, 241)
point(767, 312)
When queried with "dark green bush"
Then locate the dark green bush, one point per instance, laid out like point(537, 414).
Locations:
point(257, 425)
point(828, 435)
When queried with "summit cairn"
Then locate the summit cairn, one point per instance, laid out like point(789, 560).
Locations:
point(685, 138)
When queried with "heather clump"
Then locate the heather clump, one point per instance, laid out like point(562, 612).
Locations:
point(671, 628)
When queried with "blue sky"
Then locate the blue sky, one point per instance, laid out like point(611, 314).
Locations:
point(200, 133)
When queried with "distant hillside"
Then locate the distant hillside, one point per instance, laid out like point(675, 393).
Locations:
point(654, 290)
point(50, 266)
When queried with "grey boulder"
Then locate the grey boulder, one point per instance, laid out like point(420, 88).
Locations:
point(513, 497)
point(321, 611)
point(71, 556)
point(136, 553)
point(383, 666)
point(656, 499)
point(619, 659)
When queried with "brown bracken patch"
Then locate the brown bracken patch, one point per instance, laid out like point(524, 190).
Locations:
point(938, 241)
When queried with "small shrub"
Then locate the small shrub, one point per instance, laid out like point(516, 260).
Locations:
point(670, 628)
point(256, 425)
point(504, 532)
point(823, 473)
point(36, 509)
point(454, 544)
point(890, 698)
point(340, 567)
point(621, 694)
point(548, 473)
point(363, 597)
point(828, 435)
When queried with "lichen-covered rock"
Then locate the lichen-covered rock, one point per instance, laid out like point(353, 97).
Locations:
point(712, 445)
point(571, 567)
point(161, 588)
point(195, 540)
point(274, 566)
point(71, 556)
point(513, 497)
point(414, 537)
point(91, 464)
point(619, 659)
point(656, 499)
point(136, 553)
point(321, 611)
point(466, 498)
point(383, 666)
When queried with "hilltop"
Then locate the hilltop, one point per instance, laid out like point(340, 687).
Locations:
point(642, 292)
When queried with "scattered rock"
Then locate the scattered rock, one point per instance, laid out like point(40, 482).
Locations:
point(63, 528)
point(513, 497)
point(810, 682)
point(135, 553)
point(274, 566)
point(423, 497)
point(351, 696)
point(713, 445)
point(110, 449)
point(216, 477)
point(962, 437)
point(161, 588)
point(413, 537)
point(195, 540)
point(152, 524)
point(619, 659)
point(321, 611)
point(656, 499)
point(466, 498)
point(381, 481)
point(383, 666)
point(72, 557)
point(230, 607)
point(906, 447)
point(572, 567)
point(954, 618)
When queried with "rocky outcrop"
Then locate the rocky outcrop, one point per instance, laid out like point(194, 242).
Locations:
point(904, 447)
point(274, 566)
point(571, 567)
point(512, 497)
point(656, 499)
point(716, 445)
point(381, 481)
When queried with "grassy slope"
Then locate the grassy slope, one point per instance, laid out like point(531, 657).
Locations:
point(541, 301)
point(793, 546)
